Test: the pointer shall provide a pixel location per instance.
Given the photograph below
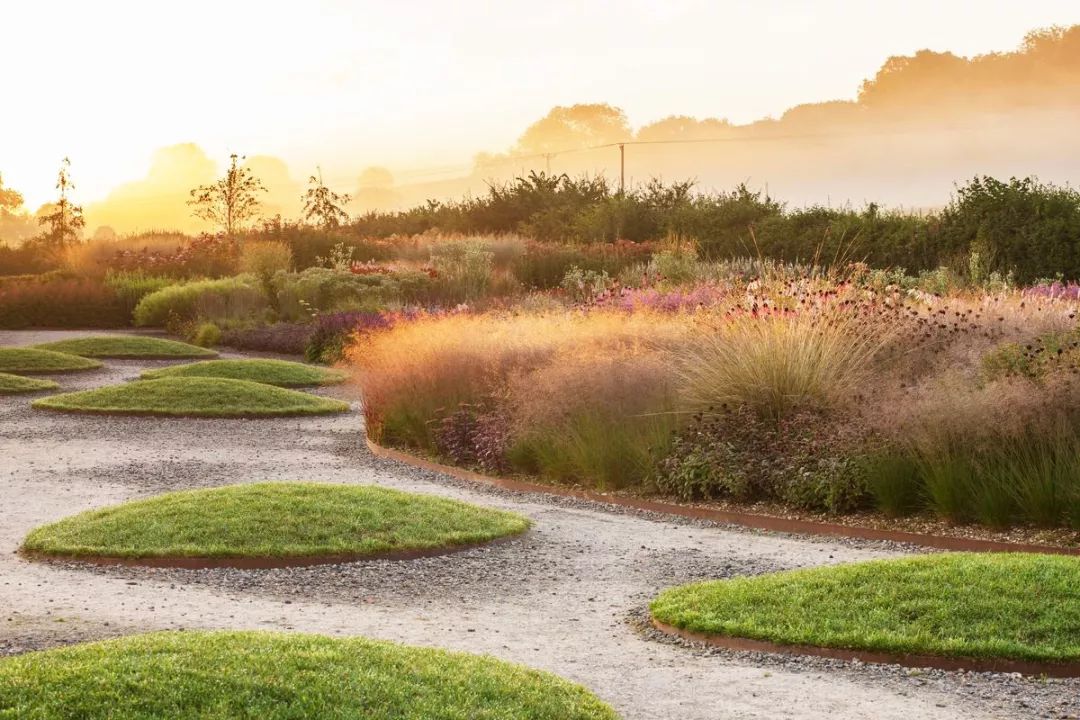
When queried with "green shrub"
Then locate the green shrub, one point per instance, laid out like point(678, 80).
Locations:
point(224, 299)
point(206, 335)
point(265, 260)
point(132, 286)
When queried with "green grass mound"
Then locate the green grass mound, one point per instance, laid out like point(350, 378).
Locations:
point(272, 676)
point(193, 397)
point(272, 372)
point(25, 361)
point(12, 384)
point(1009, 605)
point(132, 347)
point(278, 520)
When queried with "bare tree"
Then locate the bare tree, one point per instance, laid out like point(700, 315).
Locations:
point(323, 206)
point(231, 201)
point(64, 222)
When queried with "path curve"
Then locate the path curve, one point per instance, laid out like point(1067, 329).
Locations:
point(561, 598)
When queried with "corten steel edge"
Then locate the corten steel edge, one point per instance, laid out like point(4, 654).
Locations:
point(749, 520)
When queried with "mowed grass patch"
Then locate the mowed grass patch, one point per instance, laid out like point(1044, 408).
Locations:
point(271, 676)
point(128, 346)
point(1008, 605)
point(25, 361)
point(12, 384)
point(277, 520)
point(272, 372)
point(193, 397)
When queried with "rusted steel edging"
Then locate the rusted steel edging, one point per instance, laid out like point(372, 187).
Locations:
point(913, 660)
point(750, 520)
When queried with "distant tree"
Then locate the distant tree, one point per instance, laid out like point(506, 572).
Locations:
point(230, 202)
point(10, 200)
point(323, 206)
point(575, 126)
point(63, 222)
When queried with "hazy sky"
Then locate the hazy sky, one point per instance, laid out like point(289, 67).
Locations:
point(426, 83)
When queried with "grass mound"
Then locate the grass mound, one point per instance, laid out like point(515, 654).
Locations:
point(32, 360)
point(1011, 606)
point(193, 397)
point(12, 384)
point(227, 675)
point(272, 372)
point(129, 347)
point(277, 520)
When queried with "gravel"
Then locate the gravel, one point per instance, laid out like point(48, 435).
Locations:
point(570, 596)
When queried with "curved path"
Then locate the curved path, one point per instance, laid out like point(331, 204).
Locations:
point(563, 598)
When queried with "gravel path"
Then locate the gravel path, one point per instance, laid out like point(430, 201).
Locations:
point(568, 597)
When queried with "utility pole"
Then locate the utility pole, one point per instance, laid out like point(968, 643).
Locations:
point(547, 160)
point(622, 169)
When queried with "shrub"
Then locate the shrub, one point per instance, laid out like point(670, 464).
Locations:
point(207, 335)
point(331, 333)
point(225, 299)
point(264, 260)
point(806, 460)
point(284, 338)
point(131, 287)
point(60, 302)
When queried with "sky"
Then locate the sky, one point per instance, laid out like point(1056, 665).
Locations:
point(422, 84)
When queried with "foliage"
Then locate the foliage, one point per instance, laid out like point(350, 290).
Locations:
point(806, 460)
point(232, 201)
point(323, 206)
point(193, 397)
point(1007, 605)
point(58, 301)
point(132, 286)
point(264, 260)
point(225, 299)
point(331, 333)
point(284, 338)
point(245, 521)
point(279, 677)
point(64, 221)
point(206, 334)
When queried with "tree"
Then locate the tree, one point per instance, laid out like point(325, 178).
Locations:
point(10, 200)
point(323, 206)
point(576, 126)
point(231, 201)
point(64, 220)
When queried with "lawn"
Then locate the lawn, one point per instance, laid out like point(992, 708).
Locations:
point(1014, 606)
point(193, 397)
point(270, 676)
point(274, 520)
point(12, 384)
point(272, 372)
point(128, 346)
point(32, 360)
